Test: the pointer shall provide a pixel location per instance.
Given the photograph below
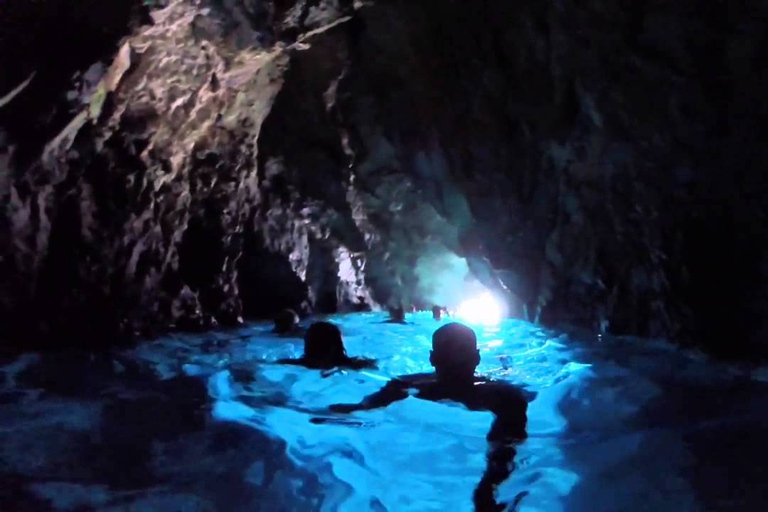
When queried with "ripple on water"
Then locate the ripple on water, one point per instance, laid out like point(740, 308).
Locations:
point(616, 425)
point(414, 455)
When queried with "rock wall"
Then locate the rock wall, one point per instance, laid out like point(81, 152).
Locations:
point(191, 162)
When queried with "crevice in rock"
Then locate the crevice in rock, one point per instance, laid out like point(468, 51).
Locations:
point(322, 278)
point(267, 281)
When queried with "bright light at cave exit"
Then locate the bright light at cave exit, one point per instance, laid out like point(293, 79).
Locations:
point(482, 310)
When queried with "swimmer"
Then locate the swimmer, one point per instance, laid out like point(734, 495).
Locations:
point(396, 316)
point(455, 357)
point(287, 322)
point(324, 350)
point(437, 312)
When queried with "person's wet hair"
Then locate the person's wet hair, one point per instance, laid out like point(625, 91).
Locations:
point(396, 315)
point(454, 351)
point(324, 349)
point(286, 321)
point(323, 341)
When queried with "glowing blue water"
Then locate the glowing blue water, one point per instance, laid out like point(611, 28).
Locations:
point(613, 426)
point(626, 425)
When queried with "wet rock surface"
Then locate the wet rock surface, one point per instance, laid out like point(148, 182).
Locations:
point(204, 161)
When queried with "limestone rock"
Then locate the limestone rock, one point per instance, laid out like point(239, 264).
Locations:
point(597, 164)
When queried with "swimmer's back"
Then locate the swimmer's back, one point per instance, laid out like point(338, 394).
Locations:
point(507, 402)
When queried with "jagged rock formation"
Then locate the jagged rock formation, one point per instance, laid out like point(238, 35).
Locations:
point(599, 163)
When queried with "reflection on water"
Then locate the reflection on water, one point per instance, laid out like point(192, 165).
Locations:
point(415, 455)
point(616, 425)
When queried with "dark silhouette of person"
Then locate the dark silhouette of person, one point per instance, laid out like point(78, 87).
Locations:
point(287, 322)
point(437, 312)
point(396, 316)
point(324, 350)
point(455, 357)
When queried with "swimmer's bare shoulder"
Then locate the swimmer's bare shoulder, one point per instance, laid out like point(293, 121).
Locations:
point(350, 363)
point(505, 395)
point(360, 363)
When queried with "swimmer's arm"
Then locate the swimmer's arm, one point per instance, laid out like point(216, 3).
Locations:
point(295, 362)
point(508, 430)
point(499, 466)
point(392, 392)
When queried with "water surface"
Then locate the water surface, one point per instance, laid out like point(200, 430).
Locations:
point(210, 422)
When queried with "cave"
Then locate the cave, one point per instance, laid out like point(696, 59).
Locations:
point(579, 184)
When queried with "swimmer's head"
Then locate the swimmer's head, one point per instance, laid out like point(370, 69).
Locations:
point(397, 313)
point(454, 352)
point(323, 342)
point(286, 321)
